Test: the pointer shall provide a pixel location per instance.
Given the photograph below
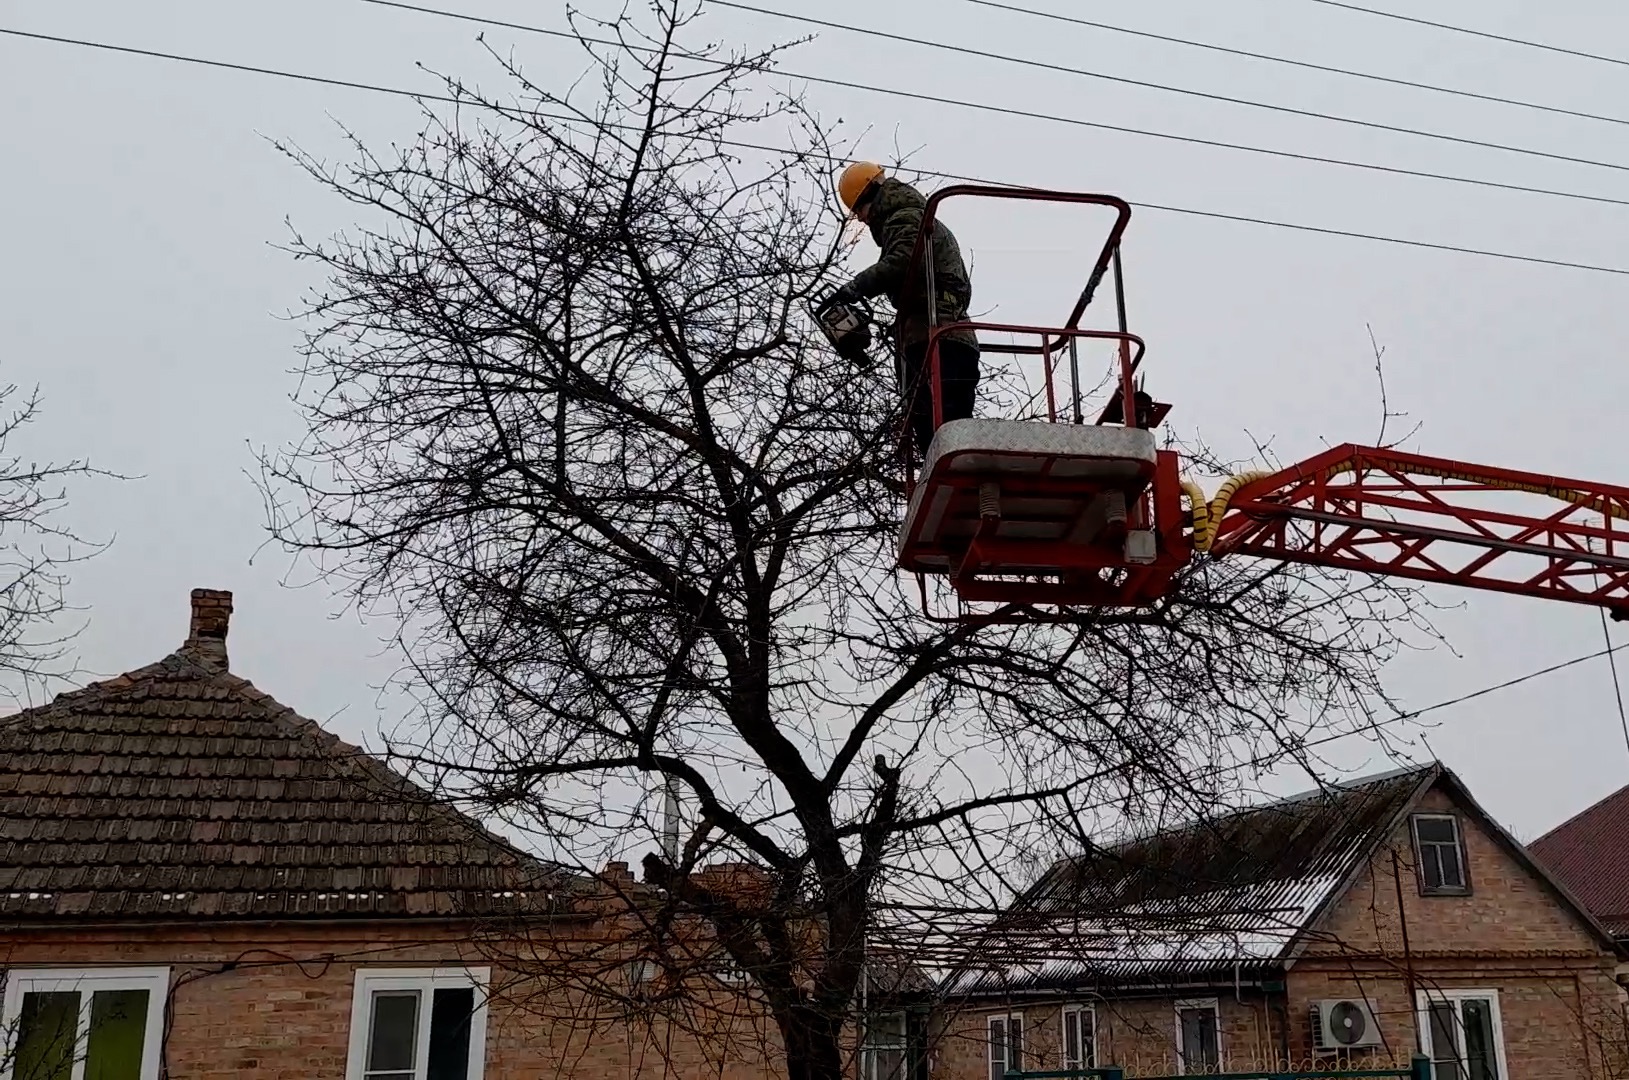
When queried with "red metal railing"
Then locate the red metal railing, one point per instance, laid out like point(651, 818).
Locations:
point(1053, 339)
point(1046, 342)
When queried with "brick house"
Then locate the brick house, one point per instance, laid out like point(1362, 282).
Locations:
point(1589, 854)
point(196, 882)
point(1372, 914)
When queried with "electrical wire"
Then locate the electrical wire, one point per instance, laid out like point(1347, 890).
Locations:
point(1246, 219)
point(1609, 651)
point(1073, 121)
point(1191, 140)
point(1165, 87)
point(228, 65)
point(1306, 65)
point(1579, 53)
point(939, 99)
point(768, 148)
point(1277, 757)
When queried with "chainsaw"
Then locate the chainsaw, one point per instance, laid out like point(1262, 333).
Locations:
point(848, 327)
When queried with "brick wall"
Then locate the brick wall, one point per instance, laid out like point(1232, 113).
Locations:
point(1508, 909)
point(1558, 1020)
point(273, 1002)
point(1558, 1002)
point(1139, 1034)
point(282, 1010)
point(1560, 1008)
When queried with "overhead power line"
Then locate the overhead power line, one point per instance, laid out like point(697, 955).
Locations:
point(769, 148)
point(1192, 140)
point(1289, 110)
point(1610, 650)
point(1619, 61)
point(1280, 756)
point(226, 65)
point(1073, 121)
point(1305, 65)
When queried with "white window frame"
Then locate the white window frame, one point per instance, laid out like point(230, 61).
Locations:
point(989, 1047)
point(1063, 1035)
point(86, 981)
point(1186, 1004)
point(730, 973)
point(1424, 999)
point(426, 981)
point(871, 1050)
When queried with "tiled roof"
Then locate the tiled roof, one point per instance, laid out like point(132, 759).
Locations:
point(1589, 855)
point(1227, 896)
point(180, 789)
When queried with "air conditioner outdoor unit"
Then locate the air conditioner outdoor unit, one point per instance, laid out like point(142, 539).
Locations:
point(1343, 1024)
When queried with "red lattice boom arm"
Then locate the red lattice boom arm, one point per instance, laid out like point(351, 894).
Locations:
point(1432, 519)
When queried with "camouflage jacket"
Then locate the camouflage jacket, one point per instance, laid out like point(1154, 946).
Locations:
point(896, 219)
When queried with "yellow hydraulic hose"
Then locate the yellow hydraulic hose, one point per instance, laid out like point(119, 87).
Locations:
point(1206, 515)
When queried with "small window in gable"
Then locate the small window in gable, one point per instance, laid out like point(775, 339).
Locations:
point(1439, 852)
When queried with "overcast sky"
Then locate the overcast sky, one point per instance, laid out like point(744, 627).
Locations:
point(139, 199)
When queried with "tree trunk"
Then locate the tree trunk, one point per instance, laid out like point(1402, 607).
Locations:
point(813, 1043)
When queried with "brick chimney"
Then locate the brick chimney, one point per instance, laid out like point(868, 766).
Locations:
point(211, 614)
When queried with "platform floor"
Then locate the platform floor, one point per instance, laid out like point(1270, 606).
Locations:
point(1063, 490)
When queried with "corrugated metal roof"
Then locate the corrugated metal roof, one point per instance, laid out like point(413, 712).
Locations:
point(1212, 900)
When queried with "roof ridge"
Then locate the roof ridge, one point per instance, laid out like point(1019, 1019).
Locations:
point(1346, 786)
point(181, 788)
point(80, 694)
point(379, 769)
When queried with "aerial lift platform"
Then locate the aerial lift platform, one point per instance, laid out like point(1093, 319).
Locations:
point(1052, 517)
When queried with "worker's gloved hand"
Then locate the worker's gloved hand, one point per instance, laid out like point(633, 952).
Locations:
point(843, 294)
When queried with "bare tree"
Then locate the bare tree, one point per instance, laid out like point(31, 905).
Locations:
point(37, 549)
point(568, 422)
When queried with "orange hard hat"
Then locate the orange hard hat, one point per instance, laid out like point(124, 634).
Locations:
point(855, 179)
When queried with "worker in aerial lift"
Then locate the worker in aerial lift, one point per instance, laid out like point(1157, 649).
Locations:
point(893, 210)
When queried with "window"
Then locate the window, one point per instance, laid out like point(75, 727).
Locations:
point(1199, 1041)
point(885, 1047)
point(1440, 854)
point(418, 1024)
point(1006, 1044)
point(727, 971)
point(642, 976)
point(1463, 1035)
point(64, 1024)
point(1079, 1037)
